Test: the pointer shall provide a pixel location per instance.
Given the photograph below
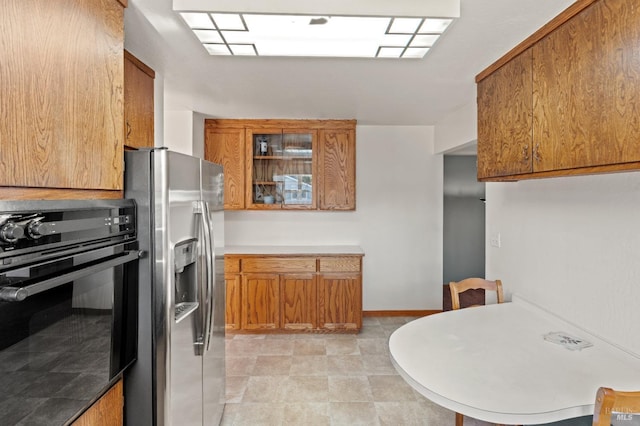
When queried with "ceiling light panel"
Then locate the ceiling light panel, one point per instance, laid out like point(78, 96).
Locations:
point(251, 34)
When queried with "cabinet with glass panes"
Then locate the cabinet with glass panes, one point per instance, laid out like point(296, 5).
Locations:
point(281, 172)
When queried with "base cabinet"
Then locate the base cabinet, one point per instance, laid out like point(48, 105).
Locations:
point(340, 301)
point(298, 301)
point(260, 297)
point(107, 411)
point(306, 293)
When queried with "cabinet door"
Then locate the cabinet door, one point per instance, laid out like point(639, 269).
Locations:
point(62, 94)
point(232, 302)
point(340, 301)
point(138, 102)
point(260, 301)
point(106, 411)
point(298, 301)
point(281, 171)
point(227, 147)
point(337, 169)
point(586, 86)
point(505, 119)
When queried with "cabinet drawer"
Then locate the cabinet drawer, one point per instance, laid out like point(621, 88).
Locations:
point(340, 264)
point(231, 265)
point(279, 264)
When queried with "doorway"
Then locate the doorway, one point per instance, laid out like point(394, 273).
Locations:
point(463, 226)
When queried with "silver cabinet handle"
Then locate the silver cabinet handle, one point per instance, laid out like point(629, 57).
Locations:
point(18, 294)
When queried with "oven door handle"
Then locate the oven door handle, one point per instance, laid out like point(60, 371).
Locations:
point(18, 294)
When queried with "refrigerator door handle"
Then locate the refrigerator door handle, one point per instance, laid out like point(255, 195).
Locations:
point(209, 265)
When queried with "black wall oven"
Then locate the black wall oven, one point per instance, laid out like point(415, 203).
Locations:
point(68, 305)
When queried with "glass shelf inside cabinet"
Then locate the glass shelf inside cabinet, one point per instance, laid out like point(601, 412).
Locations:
point(283, 168)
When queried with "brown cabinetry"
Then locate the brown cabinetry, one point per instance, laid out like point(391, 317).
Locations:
point(284, 164)
point(340, 293)
point(294, 293)
point(106, 411)
point(138, 103)
point(62, 97)
point(584, 97)
point(505, 120)
point(337, 169)
point(225, 145)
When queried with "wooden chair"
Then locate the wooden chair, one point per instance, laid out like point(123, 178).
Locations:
point(609, 401)
point(472, 284)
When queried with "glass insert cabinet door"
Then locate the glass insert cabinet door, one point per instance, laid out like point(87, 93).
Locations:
point(283, 168)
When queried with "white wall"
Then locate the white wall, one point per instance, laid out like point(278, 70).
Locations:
point(458, 128)
point(398, 219)
point(572, 245)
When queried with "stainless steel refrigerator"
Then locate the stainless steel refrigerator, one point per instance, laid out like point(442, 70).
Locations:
point(178, 378)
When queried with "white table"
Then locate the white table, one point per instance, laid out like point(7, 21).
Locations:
point(492, 363)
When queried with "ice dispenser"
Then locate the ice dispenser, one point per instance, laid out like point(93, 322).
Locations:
point(186, 280)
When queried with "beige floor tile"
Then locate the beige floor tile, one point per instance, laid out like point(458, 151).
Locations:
point(390, 388)
point(342, 347)
point(307, 414)
point(276, 346)
point(255, 414)
point(272, 365)
point(349, 389)
point(353, 413)
point(235, 387)
point(240, 366)
point(378, 365)
point(309, 365)
point(309, 347)
point(374, 346)
point(406, 413)
point(304, 388)
point(344, 365)
point(264, 388)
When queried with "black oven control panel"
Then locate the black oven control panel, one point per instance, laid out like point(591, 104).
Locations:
point(35, 228)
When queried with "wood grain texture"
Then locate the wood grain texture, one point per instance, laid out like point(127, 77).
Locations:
point(582, 171)
point(340, 264)
point(298, 302)
point(138, 103)
point(19, 193)
point(505, 120)
point(575, 8)
point(340, 301)
point(232, 302)
point(340, 161)
point(586, 89)
point(227, 147)
point(292, 283)
point(61, 109)
point(107, 411)
point(260, 301)
point(337, 169)
point(279, 264)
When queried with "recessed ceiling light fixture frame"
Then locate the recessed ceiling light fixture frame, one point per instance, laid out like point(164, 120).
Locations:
point(382, 29)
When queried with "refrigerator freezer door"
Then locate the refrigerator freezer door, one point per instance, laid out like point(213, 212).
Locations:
point(213, 359)
point(184, 396)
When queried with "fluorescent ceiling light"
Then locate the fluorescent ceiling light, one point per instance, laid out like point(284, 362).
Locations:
point(254, 34)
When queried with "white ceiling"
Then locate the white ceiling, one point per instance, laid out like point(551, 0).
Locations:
point(373, 91)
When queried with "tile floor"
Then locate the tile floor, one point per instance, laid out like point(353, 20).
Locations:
point(319, 379)
point(303, 379)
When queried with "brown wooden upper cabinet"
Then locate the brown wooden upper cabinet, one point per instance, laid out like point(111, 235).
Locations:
point(138, 103)
point(284, 164)
point(62, 97)
point(566, 101)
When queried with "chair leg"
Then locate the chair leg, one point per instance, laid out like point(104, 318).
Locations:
point(459, 419)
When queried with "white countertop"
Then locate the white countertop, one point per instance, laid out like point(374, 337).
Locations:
point(492, 363)
point(293, 250)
